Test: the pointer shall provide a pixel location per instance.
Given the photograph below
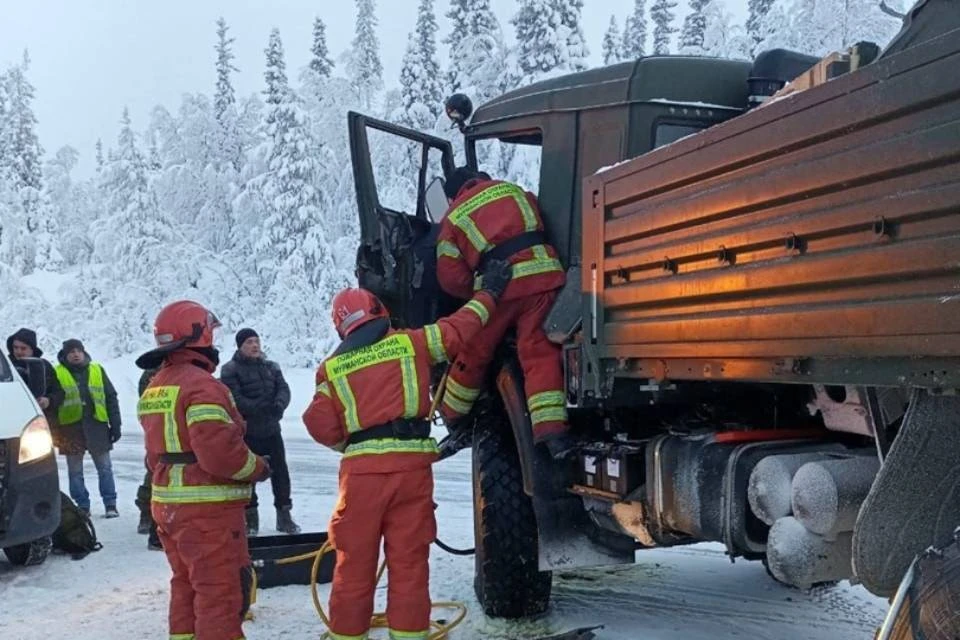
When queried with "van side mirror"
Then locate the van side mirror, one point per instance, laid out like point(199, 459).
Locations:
point(435, 200)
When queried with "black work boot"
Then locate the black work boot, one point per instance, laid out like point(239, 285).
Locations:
point(253, 521)
point(561, 446)
point(153, 540)
point(143, 527)
point(285, 523)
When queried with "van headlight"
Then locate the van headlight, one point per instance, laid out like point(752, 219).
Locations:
point(35, 440)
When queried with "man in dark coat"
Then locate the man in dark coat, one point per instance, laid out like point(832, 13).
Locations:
point(88, 420)
point(37, 374)
point(262, 395)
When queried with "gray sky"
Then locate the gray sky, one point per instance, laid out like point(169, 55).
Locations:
point(89, 58)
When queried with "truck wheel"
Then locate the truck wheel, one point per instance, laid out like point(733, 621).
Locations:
point(29, 553)
point(508, 582)
point(926, 604)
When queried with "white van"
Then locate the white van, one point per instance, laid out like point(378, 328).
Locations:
point(29, 485)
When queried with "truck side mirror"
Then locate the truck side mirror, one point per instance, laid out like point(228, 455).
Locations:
point(435, 200)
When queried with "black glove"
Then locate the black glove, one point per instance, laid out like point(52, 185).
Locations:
point(495, 277)
point(114, 434)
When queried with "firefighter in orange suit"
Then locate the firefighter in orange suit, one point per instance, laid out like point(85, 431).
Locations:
point(489, 219)
point(371, 403)
point(202, 474)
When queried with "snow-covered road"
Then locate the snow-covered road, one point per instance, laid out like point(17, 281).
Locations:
point(686, 593)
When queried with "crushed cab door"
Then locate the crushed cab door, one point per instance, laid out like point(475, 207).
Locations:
point(396, 259)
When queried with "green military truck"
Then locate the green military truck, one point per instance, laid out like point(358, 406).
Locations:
point(761, 322)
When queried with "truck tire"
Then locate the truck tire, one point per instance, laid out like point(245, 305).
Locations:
point(926, 604)
point(508, 582)
point(30, 553)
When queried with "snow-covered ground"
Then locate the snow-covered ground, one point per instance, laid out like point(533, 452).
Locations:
point(678, 594)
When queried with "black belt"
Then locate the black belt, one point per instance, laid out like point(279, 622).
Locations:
point(509, 247)
point(399, 429)
point(186, 457)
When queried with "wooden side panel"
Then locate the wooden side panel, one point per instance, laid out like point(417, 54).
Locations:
point(825, 225)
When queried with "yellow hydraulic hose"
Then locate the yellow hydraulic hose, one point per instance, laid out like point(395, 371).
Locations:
point(438, 629)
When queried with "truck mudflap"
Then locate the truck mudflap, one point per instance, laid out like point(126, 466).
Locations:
point(567, 539)
point(915, 501)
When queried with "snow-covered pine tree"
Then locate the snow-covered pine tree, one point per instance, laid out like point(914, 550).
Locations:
point(421, 90)
point(365, 67)
point(473, 25)
point(38, 240)
point(694, 26)
point(635, 32)
point(541, 39)
point(229, 148)
point(722, 37)
point(612, 43)
point(293, 218)
point(571, 12)
point(756, 12)
point(99, 155)
point(662, 14)
point(143, 260)
point(320, 62)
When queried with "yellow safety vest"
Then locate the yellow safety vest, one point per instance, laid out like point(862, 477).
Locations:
point(71, 411)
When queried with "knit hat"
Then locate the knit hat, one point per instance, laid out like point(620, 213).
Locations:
point(244, 334)
point(459, 179)
point(71, 344)
point(27, 337)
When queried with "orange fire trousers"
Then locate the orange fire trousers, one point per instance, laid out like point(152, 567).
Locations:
point(539, 358)
point(397, 508)
point(206, 546)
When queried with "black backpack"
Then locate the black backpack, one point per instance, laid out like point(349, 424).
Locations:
point(76, 534)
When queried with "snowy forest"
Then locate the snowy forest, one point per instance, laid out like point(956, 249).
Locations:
point(246, 203)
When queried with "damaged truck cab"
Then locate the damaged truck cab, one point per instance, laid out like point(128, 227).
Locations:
point(760, 327)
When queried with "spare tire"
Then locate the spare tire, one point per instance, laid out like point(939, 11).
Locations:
point(508, 582)
point(29, 553)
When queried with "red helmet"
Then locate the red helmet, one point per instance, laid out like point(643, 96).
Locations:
point(186, 322)
point(180, 324)
point(353, 308)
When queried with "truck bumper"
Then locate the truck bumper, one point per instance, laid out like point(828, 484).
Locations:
point(29, 496)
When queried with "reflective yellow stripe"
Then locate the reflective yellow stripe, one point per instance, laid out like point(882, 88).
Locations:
point(435, 343)
point(350, 415)
point(459, 406)
point(408, 635)
point(395, 347)
point(391, 445)
point(206, 413)
point(529, 216)
point(341, 636)
point(182, 636)
point(163, 400)
point(390, 348)
point(546, 399)
point(448, 249)
point(535, 267)
point(199, 494)
point(324, 388)
point(411, 388)
point(548, 414)
point(462, 392)
point(248, 468)
point(477, 307)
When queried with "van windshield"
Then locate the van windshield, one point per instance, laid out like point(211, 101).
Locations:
point(6, 374)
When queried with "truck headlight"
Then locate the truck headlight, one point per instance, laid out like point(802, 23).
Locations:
point(35, 440)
